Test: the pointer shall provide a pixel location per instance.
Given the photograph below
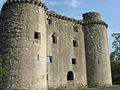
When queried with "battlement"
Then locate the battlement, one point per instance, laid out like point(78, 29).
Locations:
point(54, 14)
point(88, 18)
point(96, 22)
point(91, 16)
point(35, 2)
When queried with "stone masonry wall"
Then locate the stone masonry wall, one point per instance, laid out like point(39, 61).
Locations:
point(24, 55)
point(97, 54)
point(62, 53)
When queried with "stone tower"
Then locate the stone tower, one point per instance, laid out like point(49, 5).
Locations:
point(23, 44)
point(97, 55)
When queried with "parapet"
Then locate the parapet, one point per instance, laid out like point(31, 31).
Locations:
point(91, 16)
point(35, 2)
point(54, 14)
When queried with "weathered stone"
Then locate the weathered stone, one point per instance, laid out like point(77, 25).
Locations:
point(19, 49)
point(79, 48)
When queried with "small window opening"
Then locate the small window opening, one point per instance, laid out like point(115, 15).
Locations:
point(49, 59)
point(47, 77)
point(36, 35)
point(98, 62)
point(73, 60)
point(37, 57)
point(70, 76)
point(54, 39)
point(48, 21)
point(75, 28)
point(75, 43)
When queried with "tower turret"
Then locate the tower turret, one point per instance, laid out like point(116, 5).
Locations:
point(23, 45)
point(97, 55)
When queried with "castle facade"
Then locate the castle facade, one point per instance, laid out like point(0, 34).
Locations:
point(42, 49)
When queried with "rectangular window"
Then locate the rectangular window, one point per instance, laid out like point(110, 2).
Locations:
point(75, 43)
point(73, 60)
point(49, 59)
point(36, 35)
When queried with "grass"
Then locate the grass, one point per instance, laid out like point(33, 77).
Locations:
point(116, 83)
point(56, 89)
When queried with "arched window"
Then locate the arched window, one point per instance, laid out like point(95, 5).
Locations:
point(70, 76)
point(54, 39)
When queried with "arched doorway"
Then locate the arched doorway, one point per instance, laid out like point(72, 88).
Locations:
point(70, 76)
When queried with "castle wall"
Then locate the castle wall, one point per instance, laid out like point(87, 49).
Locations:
point(76, 51)
point(23, 53)
point(63, 52)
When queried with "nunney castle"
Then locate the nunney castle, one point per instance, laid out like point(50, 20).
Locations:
point(42, 49)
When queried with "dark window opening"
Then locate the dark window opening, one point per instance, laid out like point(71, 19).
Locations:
point(75, 28)
point(49, 59)
point(73, 60)
point(36, 35)
point(37, 57)
point(75, 43)
point(48, 21)
point(47, 77)
point(54, 39)
point(70, 76)
point(98, 62)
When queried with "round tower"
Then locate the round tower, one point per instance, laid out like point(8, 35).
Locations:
point(23, 45)
point(97, 54)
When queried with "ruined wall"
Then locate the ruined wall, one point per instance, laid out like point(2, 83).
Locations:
point(63, 51)
point(23, 52)
point(97, 55)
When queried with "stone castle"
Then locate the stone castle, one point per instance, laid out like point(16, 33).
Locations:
point(42, 49)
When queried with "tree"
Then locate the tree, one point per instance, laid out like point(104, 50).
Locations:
point(115, 55)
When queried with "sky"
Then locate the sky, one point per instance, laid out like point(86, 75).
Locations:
point(109, 10)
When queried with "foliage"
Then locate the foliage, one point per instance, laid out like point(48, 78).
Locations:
point(115, 58)
point(2, 69)
point(115, 66)
point(115, 55)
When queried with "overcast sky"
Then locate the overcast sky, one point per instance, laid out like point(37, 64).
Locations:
point(109, 10)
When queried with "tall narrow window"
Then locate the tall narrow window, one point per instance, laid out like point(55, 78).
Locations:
point(75, 43)
point(37, 57)
point(73, 60)
point(54, 39)
point(47, 77)
point(98, 62)
point(49, 59)
point(70, 76)
point(36, 35)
